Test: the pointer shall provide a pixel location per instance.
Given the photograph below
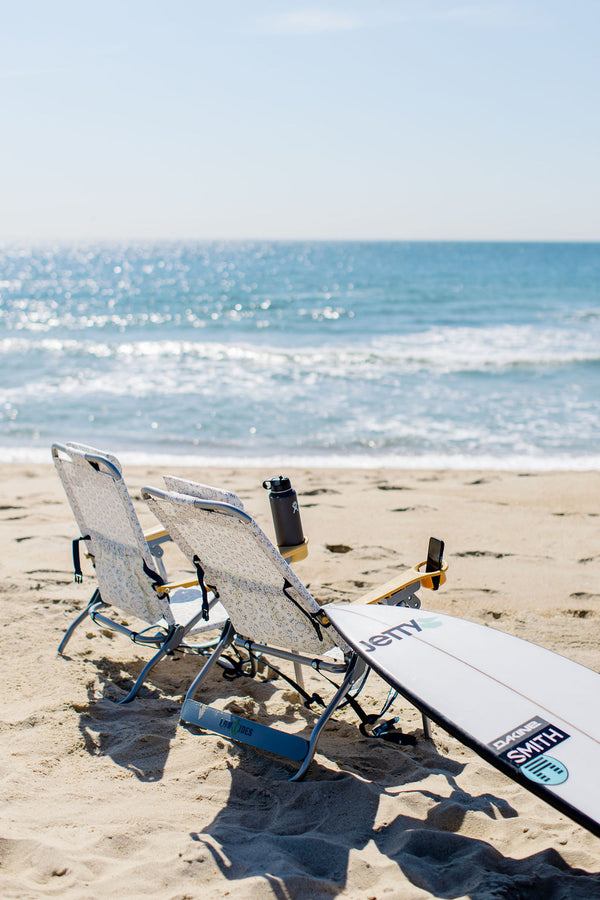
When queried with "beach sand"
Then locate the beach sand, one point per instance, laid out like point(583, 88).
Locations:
point(100, 801)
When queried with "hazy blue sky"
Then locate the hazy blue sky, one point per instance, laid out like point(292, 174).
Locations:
point(415, 119)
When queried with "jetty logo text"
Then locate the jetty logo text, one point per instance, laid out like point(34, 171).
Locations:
point(398, 633)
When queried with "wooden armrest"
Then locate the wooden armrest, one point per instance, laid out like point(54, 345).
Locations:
point(173, 585)
point(157, 534)
point(403, 580)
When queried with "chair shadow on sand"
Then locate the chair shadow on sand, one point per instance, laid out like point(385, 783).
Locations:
point(300, 837)
point(138, 736)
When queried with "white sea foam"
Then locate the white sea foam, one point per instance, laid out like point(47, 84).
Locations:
point(432, 461)
point(440, 350)
point(394, 353)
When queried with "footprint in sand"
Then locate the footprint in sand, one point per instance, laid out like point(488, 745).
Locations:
point(315, 491)
point(484, 553)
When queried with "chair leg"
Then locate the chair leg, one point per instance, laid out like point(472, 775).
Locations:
point(299, 675)
point(426, 728)
point(349, 679)
point(82, 615)
point(171, 643)
point(227, 636)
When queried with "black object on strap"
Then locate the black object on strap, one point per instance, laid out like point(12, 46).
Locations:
point(200, 574)
point(76, 560)
point(236, 668)
point(385, 731)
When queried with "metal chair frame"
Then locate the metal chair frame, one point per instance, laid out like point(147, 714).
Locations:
point(186, 516)
point(167, 634)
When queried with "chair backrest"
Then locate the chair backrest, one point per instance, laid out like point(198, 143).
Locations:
point(202, 491)
point(264, 598)
point(107, 520)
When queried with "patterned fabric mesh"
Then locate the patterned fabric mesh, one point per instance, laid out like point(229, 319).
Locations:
point(248, 573)
point(202, 491)
point(103, 510)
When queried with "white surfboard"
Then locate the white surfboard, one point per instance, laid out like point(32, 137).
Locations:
point(531, 713)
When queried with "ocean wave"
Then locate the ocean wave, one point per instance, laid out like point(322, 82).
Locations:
point(587, 314)
point(439, 350)
point(349, 354)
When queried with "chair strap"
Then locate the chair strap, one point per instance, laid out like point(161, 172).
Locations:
point(154, 577)
point(385, 730)
point(200, 574)
point(312, 618)
point(309, 699)
point(76, 560)
point(348, 699)
point(236, 668)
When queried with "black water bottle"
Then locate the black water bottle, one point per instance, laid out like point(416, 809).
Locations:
point(285, 511)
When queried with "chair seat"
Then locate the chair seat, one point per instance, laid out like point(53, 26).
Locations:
point(186, 603)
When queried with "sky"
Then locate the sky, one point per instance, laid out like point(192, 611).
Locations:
point(284, 119)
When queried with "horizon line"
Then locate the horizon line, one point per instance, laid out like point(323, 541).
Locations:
point(30, 241)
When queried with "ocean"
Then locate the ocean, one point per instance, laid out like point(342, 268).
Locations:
point(444, 355)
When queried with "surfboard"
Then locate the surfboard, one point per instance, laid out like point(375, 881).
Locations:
point(529, 712)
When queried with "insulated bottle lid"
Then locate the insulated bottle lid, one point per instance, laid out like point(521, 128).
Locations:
point(277, 485)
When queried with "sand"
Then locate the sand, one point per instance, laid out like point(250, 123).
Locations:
point(100, 801)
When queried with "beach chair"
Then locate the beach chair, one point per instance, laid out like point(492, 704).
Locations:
point(129, 568)
point(272, 615)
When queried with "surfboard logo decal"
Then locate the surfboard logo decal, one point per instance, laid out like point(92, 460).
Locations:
point(398, 633)
point(501, 744)
point(526, 746)
point(235, 726)
point(545, 770)
point(432, 622)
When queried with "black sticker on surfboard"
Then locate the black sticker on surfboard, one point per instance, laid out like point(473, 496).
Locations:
point(526, 749)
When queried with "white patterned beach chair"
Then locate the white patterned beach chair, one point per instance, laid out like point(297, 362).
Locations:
point(271, 614)
point(128, 565)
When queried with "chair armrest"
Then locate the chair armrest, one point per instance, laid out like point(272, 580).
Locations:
point(174, 585)
point(403, 580)
point(157, 535)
